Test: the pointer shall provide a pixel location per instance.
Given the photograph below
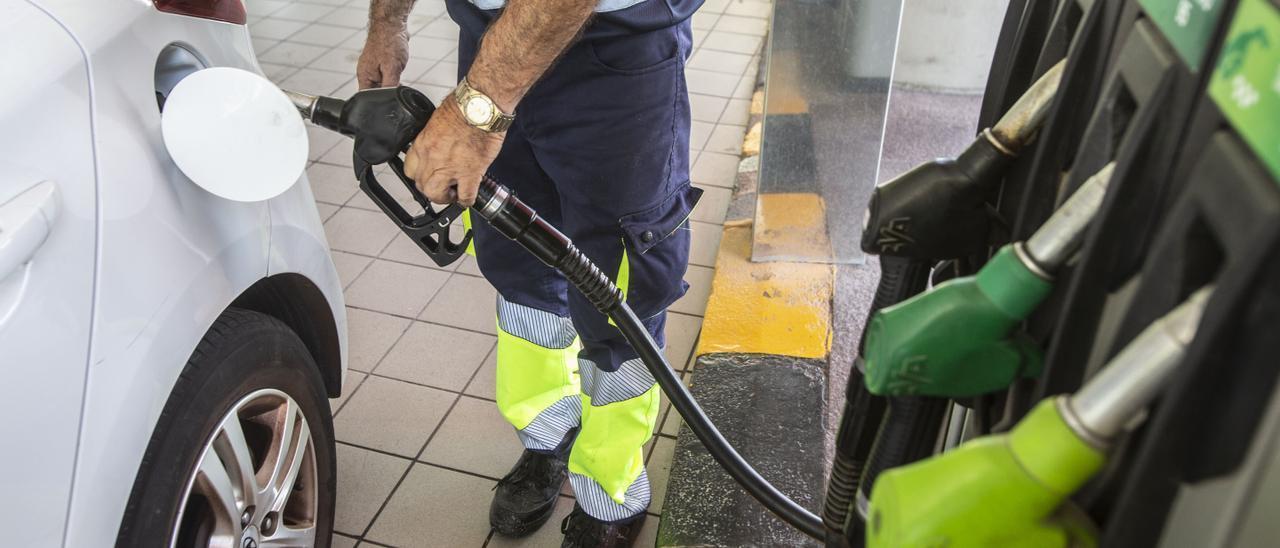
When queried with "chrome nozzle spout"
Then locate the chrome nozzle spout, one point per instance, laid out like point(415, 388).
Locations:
point(1110, 401)
point(1059, 237)
point(306, 104)
point(1019, 125)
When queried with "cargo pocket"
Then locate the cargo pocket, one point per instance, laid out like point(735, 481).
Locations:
point(657, 252)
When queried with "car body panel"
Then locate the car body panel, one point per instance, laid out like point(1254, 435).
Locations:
point(52, 293)
point(172, 256)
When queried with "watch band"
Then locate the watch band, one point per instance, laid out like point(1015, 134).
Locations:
point(498, 121)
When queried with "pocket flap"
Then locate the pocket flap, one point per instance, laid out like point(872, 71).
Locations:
point(645, 229)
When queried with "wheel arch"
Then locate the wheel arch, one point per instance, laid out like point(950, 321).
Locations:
point(298, 302)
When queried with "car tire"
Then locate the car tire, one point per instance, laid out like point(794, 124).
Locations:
point(247, 398)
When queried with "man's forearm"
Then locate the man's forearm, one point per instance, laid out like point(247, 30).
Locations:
point(389, 15)
point(522, 44)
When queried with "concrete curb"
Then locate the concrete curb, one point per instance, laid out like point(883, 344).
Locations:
point(760, 373)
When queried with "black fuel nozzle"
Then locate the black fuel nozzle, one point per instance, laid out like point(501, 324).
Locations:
point(938, 210)
point(383, 122)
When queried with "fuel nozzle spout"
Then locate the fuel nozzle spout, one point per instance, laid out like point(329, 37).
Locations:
point(938, 210)
point(383, 121)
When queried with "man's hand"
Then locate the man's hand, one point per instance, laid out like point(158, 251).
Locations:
point(386, 51)
point(449, 157)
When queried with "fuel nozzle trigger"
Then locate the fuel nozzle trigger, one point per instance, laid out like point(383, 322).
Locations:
point(383, 122)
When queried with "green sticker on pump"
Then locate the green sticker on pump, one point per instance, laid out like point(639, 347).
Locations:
point(1187, 24)
point(1246, 82)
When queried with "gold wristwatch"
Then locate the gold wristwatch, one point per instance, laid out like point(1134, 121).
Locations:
point(479, 110)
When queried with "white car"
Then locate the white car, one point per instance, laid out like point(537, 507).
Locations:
point(166, 356)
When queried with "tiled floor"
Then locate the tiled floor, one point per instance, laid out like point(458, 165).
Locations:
point(420, 440)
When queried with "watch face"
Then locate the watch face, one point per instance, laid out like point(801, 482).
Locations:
point(478, 110)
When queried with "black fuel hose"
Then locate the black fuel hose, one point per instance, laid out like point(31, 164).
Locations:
point(517, 221)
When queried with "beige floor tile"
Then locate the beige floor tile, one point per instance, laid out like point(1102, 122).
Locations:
point(659, 467)
point(695, 301)
point(444, 73)
point(403, 250)
point(289, 53)
point(275, 29)
point(365, 479)
point(392, 416)
point(705, 244)
point(754, 26)
point(442, 27)
point(704, 21)
point(721, 61)
point(300, 11)
point(706, 108)
point(671, 424)
point(339, 155)
point(321, 141)
point(264, 44)
point(436, 355)
point(750, 9)
point(316, 82)
point(339, 59)
point(347, 17)
point(682, 333)
point(349, 386)
point(746, 87)
point(342, 541)
point(548, 536)
point(715, 169)
point(717, 84)
point(468, 265)
point(737, 112)
point(332, 184)
point(264, 7)
point(484, 384)
point(349, 265)
point(715, 6)
point(713, 205)
point(427, 47)
point(359, 231)
point(699, 132)
point(465, 302)
point(395, 288)
point(475, 438)
point(727, 139)
point(733, 42)
point(326, 210)
point(436, 507)
point(370, 335)
point(322, 35)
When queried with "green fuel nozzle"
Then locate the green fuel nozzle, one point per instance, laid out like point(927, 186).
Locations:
point(937, 210)
point(959, 339)
point(1010, 489)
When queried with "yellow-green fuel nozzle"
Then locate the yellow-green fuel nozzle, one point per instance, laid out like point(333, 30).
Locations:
point(1009, 489)
point(958, 339)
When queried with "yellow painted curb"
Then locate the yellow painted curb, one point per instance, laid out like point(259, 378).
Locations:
point(775, 308)
point(791, 227)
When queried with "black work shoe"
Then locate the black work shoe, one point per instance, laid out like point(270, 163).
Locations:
point(526, 497)
point(583, 531)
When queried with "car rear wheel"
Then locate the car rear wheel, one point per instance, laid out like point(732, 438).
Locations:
point(243, 454)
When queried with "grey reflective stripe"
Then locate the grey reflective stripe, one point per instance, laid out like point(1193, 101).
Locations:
point(601, 6)
point(536, 326)
point(597, 504)
point(549, 428)
point(629, 381)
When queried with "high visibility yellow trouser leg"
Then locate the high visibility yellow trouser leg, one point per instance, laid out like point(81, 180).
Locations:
point(606, 467)
point(537, 374)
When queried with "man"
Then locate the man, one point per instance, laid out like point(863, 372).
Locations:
point(580, 107)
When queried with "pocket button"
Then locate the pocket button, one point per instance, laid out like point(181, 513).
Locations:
point(647, 236)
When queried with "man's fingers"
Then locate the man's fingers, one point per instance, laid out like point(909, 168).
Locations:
point(439, 188)
point(466, 192)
